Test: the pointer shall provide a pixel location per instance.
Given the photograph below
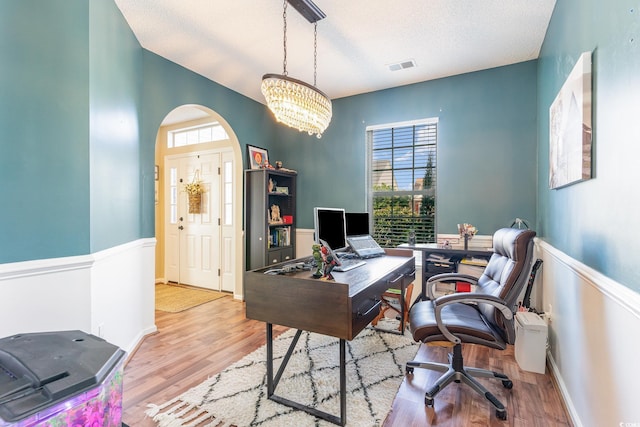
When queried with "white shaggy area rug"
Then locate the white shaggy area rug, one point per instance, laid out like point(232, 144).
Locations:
point(237, 396)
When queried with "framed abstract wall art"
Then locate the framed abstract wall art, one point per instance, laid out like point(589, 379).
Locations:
point(570, 129)
point(258, 157)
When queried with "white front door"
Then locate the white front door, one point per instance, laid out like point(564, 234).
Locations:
point(193, 246)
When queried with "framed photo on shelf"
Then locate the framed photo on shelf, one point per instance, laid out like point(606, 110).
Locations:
point(258, 157)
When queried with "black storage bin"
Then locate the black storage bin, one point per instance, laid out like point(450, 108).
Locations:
point(60, 378)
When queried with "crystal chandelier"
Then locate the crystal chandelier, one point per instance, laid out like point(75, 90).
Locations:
point(293, 102)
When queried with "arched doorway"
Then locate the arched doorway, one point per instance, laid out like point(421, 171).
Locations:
point(200, 248)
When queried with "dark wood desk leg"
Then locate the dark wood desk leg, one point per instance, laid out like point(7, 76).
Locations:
point(272, 382)
point(270, 387)
point(403, 291)
point(343, 383)
point(424, 277)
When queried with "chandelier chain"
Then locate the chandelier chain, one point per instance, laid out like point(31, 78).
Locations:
point(315, 52)
point(284, 18)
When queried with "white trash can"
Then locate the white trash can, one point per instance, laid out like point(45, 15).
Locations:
point(531, 342)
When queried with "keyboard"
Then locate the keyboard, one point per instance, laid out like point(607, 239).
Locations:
point(349, 264)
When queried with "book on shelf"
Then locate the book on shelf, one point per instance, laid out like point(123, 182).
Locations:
point(475, 261)
point(438, 257)
point(440, 261)
point(280, 236)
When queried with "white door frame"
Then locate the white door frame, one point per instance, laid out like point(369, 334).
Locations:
point(237, 250)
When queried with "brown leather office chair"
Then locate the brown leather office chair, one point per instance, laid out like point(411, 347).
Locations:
point(484, 317)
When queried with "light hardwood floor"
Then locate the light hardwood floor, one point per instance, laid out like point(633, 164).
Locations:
point(192, 345)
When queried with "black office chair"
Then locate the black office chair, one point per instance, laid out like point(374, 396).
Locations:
point(484, 317)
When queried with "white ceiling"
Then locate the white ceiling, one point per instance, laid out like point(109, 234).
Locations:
point(236, 42)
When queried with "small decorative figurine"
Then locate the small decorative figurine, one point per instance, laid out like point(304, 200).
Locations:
point(275, 215)
point(317, 256)
point(278, 164)
point(266, 165)
point(329, 264)
point(272, 185)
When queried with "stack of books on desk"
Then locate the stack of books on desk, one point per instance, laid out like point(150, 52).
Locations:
point(472, 266)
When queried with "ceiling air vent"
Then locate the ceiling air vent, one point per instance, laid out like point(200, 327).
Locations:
point(410, 63)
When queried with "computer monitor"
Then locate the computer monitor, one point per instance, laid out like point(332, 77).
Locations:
point(330, 226)
point(357, 223)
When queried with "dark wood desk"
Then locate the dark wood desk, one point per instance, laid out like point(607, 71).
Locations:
point(341, 308)
point(432, 248)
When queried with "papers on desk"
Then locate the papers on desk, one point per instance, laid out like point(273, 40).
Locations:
point(440, 260)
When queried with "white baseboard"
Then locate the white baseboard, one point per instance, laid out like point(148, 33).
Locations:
point(564, 392)
point(592, 340)
point(108, 294)
point(21, 270)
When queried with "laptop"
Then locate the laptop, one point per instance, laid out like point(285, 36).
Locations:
point(342, 264)
point(365, 246)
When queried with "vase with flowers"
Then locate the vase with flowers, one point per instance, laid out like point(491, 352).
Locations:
point(194, 190)
point(467, 231)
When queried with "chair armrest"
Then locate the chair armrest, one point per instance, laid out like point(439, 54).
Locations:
point(445, 300)
point(447, 277)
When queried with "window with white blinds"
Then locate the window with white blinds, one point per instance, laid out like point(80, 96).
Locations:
point(402, 181)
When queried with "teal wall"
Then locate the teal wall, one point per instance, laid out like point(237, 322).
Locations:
point(486, 153)
point(44, 123)
point(595, 221)
point(114, 149)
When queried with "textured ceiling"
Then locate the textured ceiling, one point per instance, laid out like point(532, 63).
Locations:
point(235, 42)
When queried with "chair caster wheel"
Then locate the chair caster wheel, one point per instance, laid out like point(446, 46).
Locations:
point(507, 384)
point(501, 415)
point(428, 401)
point(409, 369)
